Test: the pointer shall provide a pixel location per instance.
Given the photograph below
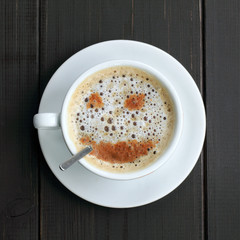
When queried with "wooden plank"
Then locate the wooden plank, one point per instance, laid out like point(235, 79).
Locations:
point(19, 99)
point(67, 27)
point(222, 33)
point(175, 27)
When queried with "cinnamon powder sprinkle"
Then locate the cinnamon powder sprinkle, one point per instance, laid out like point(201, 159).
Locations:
point(120, 152)
point(134, 102)
point(95, 101)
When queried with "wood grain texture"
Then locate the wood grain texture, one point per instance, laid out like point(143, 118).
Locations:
point(222, 25)
point(58, 29)
point(19, 98)
point(67, 27)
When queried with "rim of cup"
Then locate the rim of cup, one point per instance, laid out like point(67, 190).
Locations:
point(177, 127)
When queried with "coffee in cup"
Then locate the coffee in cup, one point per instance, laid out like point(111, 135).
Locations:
point(125, 114)
point(127, 111)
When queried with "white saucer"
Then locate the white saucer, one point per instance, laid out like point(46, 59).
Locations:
point(123, 194)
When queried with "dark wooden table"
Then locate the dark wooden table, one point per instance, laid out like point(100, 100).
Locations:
point(37, 36)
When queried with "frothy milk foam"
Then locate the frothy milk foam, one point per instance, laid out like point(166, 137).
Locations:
point(125, 114)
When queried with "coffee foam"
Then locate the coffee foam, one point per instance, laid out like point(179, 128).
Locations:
point(113, 122)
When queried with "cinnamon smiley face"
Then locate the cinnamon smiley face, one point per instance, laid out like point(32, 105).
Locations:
point(125, 114)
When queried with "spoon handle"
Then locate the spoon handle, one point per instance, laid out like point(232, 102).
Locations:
point(75, 158)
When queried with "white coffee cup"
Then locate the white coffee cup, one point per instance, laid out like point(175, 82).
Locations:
point(59, 120)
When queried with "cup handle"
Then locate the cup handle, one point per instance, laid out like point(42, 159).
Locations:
point(46, 121)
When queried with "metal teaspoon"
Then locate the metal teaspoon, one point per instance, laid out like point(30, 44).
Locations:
point(75, 158)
